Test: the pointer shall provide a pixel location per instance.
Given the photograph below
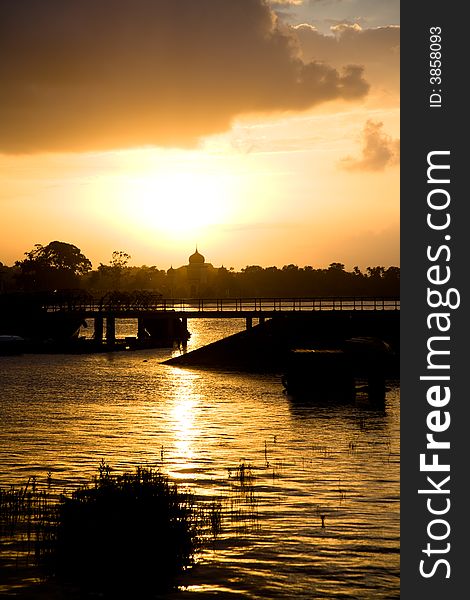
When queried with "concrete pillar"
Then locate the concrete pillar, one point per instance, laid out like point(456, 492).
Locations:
point(377, 389)
point(170, 325)
point(249, 322)
point(110, 330)
point(141, 333)
point(261, 320)
point(98, 329)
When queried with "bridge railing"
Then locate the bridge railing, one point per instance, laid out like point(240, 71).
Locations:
point(238, 305)
point(285, 304)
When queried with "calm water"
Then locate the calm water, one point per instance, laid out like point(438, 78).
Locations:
point(65, 413)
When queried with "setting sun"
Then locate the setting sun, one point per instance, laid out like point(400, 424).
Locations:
point(174, 202)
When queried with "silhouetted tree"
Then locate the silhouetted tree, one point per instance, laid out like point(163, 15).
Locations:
point(119, 259)
point(392, 273)
point(58, 265)
point(110, 276)
point(224, 282)
point(375, 272)
point(336, 266)
point(291, 280)
point(7, 277)
point(147, 278)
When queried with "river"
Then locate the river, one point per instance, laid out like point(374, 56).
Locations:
point(324, 522)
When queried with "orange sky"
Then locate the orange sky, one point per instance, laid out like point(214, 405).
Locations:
point(152, 127)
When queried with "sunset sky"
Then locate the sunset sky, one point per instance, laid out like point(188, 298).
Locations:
point(265, 132)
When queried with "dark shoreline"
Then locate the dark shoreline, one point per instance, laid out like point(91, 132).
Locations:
point(81, 346)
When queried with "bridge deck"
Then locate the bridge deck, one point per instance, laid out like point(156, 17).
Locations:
point(225, 307)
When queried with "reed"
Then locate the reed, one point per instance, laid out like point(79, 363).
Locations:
point(134, 531)
point(120, 535)
point(243, 510)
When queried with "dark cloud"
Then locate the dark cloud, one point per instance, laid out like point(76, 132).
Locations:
point(378, 49)
point(379, 150)
point(101, 74)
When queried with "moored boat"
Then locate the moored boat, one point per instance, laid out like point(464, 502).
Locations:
point(333, 374)
point(321, 374)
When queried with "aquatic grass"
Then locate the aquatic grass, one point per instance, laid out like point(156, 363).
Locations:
point(26, 508)
point(134, 531)
point(120, 534)
point(244, 482)
point(353, 446)
point(128, 534)
point(210, 518)
point(28, 519)
point(243, 498)
point(341, 492)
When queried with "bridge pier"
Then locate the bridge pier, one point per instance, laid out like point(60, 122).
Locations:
point(141, 332)
point(261, 320)
point(110, 330)
point(249, 322)
point(170, 329)
point(376, 387)
point(98, 329)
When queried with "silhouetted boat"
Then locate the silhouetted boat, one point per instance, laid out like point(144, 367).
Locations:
point(320, 374)
point(331, 374)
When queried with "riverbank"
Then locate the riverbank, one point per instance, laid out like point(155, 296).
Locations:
point(81, 346)
point(267, 347)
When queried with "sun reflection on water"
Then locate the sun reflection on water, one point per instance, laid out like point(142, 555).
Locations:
point(184, 402)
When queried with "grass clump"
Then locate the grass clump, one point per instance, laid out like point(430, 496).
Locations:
point(121, 536)
point(130, 532)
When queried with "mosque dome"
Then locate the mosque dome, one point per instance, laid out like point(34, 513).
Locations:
point(196, 258)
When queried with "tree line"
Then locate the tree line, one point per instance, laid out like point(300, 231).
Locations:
point(62, 266)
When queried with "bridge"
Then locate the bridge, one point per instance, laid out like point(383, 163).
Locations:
point(56, 317)
point(200, 308)
point(170, 315)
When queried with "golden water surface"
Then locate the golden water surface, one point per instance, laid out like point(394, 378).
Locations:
point(321, 519)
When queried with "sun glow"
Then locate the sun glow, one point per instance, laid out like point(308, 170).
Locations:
point(174, 203)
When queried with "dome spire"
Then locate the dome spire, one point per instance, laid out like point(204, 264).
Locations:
point(196, 258)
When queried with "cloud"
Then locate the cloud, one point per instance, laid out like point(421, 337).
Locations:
point(284, 8)
point(286, 2)
point(379, 150)
point(102, 74)
point(343, 27)
point(377, 49)
point(314, 2)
